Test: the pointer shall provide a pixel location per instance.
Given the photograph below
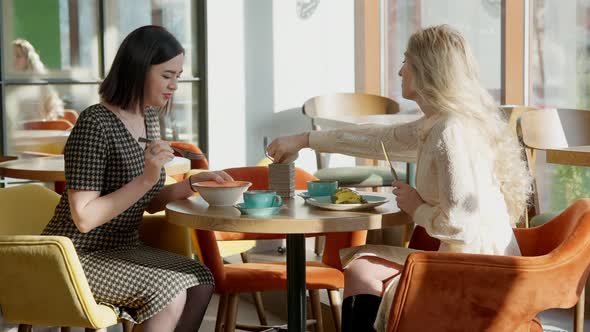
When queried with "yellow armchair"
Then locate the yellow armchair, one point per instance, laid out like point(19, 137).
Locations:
point(42, 281)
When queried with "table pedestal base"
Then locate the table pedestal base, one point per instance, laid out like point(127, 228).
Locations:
point(296, 282)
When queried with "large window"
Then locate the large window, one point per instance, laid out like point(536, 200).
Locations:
point(75, 42)
point(559, 73)
point(479, 21)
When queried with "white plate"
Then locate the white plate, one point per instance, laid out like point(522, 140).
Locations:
point(325, 202)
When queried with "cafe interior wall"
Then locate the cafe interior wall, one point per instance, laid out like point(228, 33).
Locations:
point(264, 61)
point(265, 58)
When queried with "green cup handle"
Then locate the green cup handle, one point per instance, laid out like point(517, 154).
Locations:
point(278, 201)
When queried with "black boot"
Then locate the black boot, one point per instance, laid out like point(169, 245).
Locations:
point(359, 312)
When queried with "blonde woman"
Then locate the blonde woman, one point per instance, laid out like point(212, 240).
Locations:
point(27, 60)
point(471, 183)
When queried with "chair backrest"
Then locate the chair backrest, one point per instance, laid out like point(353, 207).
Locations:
point(339, 104)
point(542, 129)
point(70, 115)
point(513, 113)
point(545, 129)
point(258, 176)
point(345, 104)
point(467, 292)
point(48, 125)
point(26, 209)
point(41, 270)
point(195, 164)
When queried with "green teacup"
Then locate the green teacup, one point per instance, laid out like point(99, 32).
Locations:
point(261, 199)
point(321, 188)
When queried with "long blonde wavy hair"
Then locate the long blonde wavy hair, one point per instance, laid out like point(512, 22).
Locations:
point(51, 107)
point(446, 78)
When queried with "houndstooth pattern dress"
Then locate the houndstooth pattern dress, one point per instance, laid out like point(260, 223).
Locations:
point(136, 280)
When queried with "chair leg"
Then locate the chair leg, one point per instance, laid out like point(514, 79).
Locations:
point(25, 328)
point(221, 312)
point(127, 325)
point(257, 297)
point(336, 306)
point(232, 313)
point(579, 313)
point(319, 244)
point(316, 309)
point(65, 329)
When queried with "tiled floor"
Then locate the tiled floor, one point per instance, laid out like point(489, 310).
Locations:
point(553, 320)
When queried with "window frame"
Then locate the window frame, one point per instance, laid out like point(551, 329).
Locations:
point(199, 33)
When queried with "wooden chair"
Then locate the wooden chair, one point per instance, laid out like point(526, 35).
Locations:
point(366, 176)
point(48, 125)
point(350, 104)
point(467, 292)
point(70, 115)
point(232, 279)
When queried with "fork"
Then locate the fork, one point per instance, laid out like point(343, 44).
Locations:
point(186, 154)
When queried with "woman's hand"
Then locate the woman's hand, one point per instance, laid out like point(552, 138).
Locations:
point(407, 198)
point(217, 176)
point(285, 147)
point(157, 153)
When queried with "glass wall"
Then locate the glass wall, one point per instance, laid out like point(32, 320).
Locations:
point(559, 75)
point(479, 21)
point(55, 53)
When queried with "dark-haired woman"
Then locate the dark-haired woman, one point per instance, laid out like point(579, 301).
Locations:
point(111, 179)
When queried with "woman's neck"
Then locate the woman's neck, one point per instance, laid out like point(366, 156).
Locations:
point(427, 109)
point(132, 112)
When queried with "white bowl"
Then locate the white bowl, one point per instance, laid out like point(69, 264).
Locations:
point(222, 194)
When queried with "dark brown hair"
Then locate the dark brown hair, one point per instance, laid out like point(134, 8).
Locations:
point(145, 46)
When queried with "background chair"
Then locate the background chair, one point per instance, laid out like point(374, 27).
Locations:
point(540, 130)
point(70, 115)
point(48, 125)
point(42, 281)
point(355, 104)
point(232, 279)
point(195, 164)
point(350, 104)
point(467, 292)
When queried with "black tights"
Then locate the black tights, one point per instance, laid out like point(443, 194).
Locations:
point(197, 300)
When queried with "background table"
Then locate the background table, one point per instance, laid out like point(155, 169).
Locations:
point(51, 169)
point(296, 219)
point(573, 156)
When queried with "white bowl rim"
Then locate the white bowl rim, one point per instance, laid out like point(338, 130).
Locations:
point(201, 184)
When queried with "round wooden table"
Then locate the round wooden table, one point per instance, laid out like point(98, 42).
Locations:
point(51, 169)
point(295, 220)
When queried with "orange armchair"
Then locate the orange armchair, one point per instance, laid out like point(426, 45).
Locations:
point(195, 164)
point(466, 292)
point(48, 125)
point(232, 279)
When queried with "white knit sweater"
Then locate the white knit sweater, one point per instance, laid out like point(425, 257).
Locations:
point(464, 206)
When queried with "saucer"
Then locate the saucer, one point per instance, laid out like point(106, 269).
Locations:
point(258, 211)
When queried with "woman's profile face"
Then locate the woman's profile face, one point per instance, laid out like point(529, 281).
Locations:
point(405, 73)
point(162, 81)
point(20, 58)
